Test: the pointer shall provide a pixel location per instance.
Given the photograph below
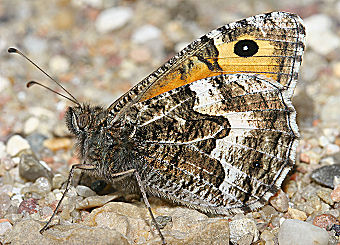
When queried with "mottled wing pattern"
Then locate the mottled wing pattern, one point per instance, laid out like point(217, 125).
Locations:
point(279, 36)
point(219, 143)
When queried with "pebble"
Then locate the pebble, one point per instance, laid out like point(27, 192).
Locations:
point(330, 113)
point(297, 214)
point(31, 125)
point(35, 44)
point(41, 187)
point(319, 28)
point(84, 191)
point(4, 83)
point(113, 18)
point(5, 226)
point(29, 205)
point(325, 195)
point(145, 34)
point(325, 175)
point(30, 168)
point(5, 203)
point(280, 201)
point(95, 201)
point(36, 141)
point(241, 227)
point(325, 221)
point(58, 180)
point(307, 233)
point(335, 195)
point(59, 64)
point(56, 144)
point(15, 144)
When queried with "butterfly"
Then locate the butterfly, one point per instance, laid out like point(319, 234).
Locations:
point(213, 128)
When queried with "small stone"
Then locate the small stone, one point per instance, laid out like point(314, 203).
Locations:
point(140, 55)
point(5, 226)
point(145, 34)
point(64, 19)
point(297, 214)
point(30, 168)
point(95, 201)
point(336, 69)
point(330, 111)
point(163, 220)
point(320, 29)
point(5, 203)
point(325, 221)
point(58, 180)
point(280, 201)
point(56, 144)
point(336, 228)
point(300, 232)
point(29, 206)
point(31, 125)
point(43, 184)
point(325, 195)
point(241, 227)
point(4, 83)
point(15, 144)
point(84, 191)
point(113, 18)
point(325, 175)
point(36, 141)
point(335, 195)
point(59, 64)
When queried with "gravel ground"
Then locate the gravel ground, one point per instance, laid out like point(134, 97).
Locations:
point(97, 61)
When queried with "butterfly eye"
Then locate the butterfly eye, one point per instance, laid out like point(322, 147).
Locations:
point(246, 48)
point(83, 120)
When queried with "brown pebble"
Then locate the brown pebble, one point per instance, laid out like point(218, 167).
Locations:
point(29, 205)
point(335, 195)
point(325, 221)
point(304, 158)
point(297, 214)
point(280, 201)
point(56, 144)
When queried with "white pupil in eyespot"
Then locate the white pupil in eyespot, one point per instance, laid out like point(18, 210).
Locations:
point(245, 48)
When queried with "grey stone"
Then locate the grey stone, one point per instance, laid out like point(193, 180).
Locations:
point(27, 232)
point(298, 232)
point(325, 175)
point(30, 168)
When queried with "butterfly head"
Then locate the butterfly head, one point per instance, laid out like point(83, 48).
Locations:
point(81, 120)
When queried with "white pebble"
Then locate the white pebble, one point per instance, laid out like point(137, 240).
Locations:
point(112, 19)
point(4, 227)
point(84, 191)
point(4, 83)
point(145, 34)
point(59, 64)
point(16, 144)
point(31, 125)
point(307, 233)
point(319, 28)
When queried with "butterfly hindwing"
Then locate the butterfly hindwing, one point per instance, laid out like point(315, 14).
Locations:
point(218, 143)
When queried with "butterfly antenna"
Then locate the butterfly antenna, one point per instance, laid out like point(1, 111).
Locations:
point(31, 83)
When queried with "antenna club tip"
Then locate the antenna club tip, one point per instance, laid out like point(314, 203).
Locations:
point(30, 84)
point(12, 50)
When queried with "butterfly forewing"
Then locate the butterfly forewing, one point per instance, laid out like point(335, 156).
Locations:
point(278, 36)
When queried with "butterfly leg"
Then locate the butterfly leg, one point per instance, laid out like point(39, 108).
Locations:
point(70, 176)
point(141, 187)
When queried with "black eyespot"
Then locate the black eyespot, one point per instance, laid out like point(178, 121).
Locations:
point(83, 120)
point(246, 48)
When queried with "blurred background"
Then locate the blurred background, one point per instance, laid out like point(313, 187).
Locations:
point(98, 49)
